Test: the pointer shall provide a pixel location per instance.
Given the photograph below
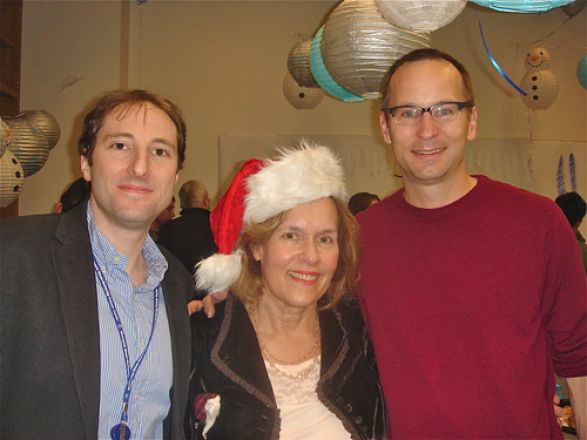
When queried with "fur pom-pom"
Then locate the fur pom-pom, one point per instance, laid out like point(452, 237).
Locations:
point(218, 272)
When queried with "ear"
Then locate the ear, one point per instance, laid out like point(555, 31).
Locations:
point(257, 251)
point(86, 169)
point(472, 130)
point(384, 127)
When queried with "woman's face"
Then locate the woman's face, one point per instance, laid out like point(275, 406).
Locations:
point(300, 257)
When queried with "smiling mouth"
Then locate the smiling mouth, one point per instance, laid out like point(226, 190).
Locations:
point(303, 276)
point(429, 152)
point(135, 189)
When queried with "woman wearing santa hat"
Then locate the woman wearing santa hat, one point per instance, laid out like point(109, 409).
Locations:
point(286, 356)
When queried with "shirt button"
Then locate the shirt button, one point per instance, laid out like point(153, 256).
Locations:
point(117, 259)
point(141, 344)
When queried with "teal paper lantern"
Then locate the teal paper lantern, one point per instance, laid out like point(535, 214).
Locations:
point(582, 71)
point(323, 77)
point(522, 6)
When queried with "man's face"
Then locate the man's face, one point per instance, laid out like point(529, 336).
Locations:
point(430, 152)
point(134, 167)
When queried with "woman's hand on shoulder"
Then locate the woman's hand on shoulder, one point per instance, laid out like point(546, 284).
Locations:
point(208, 304)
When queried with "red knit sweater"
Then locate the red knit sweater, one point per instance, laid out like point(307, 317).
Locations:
point(471, 308)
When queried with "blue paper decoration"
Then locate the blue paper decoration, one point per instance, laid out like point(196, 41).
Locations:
point(323, 77)
point(496, 65)
point(522, 6)
point(582, 71)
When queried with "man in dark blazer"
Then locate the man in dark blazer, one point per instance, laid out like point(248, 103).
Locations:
point(189, 236)
point(60, 368)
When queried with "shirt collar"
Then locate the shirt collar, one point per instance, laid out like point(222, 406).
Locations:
point(108, 256)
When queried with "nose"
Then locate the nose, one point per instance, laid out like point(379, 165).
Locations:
point(310, 252)
point(427, 128)
point(139, 165)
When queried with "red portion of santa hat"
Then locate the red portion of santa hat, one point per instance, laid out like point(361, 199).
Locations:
point(226, 220)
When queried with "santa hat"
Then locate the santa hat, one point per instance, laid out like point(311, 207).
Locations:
point(260, 190)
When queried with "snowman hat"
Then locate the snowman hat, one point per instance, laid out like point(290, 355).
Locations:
point(260, 190)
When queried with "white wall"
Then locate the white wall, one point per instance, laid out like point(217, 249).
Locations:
point(223, 62)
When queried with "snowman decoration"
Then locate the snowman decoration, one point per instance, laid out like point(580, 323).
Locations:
point(539, 83)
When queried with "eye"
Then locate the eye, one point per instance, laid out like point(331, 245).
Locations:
point(408, 113)
point(445, 110)
point(161, 152)
point(119, 146)
point(326, 239)
point(289, 235)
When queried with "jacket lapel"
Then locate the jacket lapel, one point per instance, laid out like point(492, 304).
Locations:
point(72, 259)
point(237, 355)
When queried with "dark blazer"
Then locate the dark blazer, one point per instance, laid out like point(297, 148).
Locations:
point(49, 331)
point(227, 361)
point(189, 237)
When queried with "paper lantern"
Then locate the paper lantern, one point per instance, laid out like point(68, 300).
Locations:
point(420, 15)
point(582, 71)
point(44, 122)
point(522, 6)
point(542, 89)
point(28, 144)
point(11, 178)
point(537, 58)
point(359, 46)
point(298, 64)
point(4, 137)
point(299, 96)
point(321, 74)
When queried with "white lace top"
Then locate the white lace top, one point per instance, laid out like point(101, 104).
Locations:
point(303, 416)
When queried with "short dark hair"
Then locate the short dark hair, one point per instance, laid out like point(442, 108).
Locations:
point(361, 201)
point(573, 206)
point(76, 193)
point(95, 117)
point(421, 55)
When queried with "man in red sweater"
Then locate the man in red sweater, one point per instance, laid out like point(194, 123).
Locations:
point(473, 290)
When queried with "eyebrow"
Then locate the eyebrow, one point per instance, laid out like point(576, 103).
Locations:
point(324, 231)
point(130, 136)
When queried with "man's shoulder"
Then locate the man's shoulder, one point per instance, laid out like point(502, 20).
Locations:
point(27, 229)
point(515, 198)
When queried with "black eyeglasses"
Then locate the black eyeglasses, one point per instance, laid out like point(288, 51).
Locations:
point(441, 113)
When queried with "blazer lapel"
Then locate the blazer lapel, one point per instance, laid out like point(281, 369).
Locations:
point(237, 355)
point(72, 258)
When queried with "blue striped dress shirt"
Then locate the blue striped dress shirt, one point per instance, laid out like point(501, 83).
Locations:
point(149, 401)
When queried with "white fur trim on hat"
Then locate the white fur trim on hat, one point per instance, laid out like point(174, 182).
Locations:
point(218, 272)
point(297, 176)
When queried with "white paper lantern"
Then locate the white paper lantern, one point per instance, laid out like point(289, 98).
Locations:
point(4, 137)
point(420, 15)
point(298, 64)
point(300, 97)
point(537, 58)
point(541, 87)
point(11, 178)
point(28, 144)
point(359, 46)
point(44, 122)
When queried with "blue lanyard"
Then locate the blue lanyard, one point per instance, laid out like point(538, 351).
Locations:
point(130, 371)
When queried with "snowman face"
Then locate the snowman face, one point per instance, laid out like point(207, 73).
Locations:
point(537, 58)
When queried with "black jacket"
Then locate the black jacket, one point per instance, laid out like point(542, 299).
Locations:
point(49, 330)
point(188, 237)
point(227, 361)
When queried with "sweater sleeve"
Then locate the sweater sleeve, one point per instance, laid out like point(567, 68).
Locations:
point(564, 303)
